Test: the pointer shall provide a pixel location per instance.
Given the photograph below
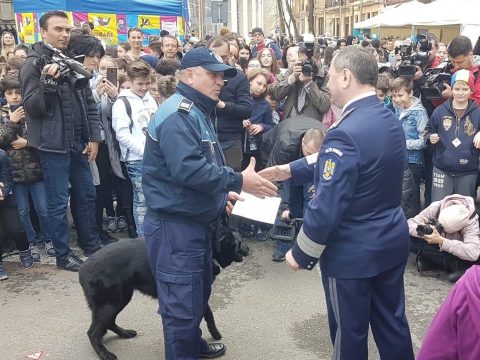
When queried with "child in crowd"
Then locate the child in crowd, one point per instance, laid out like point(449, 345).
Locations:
point(124, 83)
point(130, 117)
point(167, 86)
point(26, 168)
point(261, 119)
point(276, 118)
point(384, 93)
point(10, 226)
point(453, 130)
point(413, 118)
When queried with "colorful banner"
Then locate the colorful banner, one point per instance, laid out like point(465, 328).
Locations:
point(110, 28)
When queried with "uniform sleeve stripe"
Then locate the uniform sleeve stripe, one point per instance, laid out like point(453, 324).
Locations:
point(309, 247)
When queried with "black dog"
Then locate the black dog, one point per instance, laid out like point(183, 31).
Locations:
point(110, 276)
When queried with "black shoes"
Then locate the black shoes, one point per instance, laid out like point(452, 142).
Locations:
point(90, 252)
point(213, 351)
point(70, 263)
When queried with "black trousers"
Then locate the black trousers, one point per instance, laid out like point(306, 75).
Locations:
point(104, 198)
point(10, 226)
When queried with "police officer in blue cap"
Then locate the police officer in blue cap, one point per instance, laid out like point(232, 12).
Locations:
point(355, 224)
point(187, 186)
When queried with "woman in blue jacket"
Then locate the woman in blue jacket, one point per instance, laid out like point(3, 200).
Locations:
point(452, 129)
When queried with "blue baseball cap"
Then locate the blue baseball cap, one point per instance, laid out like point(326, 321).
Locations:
point(207, 59)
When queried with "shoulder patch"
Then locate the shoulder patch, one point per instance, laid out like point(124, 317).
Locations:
point(329, 169)
point(334, 150)
point(185, 105)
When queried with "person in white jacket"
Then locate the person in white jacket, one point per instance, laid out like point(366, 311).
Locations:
point(131, 114)
point(455, 247)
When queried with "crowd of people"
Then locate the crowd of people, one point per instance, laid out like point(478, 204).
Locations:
point(93, 140)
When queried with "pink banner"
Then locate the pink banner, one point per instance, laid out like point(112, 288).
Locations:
point(79, 19)
point(122, 27)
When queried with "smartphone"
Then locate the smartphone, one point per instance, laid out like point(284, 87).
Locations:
point(14, 107)
point(112, 75)
point(392, 59)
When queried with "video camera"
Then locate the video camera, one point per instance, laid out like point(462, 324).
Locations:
point(435, 80)
point(427, 229)
point(410, 59)
point(309, 67)
point(71, 71)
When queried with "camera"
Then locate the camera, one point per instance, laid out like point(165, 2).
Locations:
point(71, 71)
point(309, 67)
point(435, 80)
point(410, 59)
point(427, 229)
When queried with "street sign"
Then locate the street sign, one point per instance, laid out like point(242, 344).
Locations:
point(219, 12)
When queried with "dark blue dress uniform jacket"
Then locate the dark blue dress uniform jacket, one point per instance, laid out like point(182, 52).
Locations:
point(356, 210)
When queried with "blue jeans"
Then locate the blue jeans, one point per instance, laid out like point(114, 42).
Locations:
point(134, 169)
point(58, 171)
point(39, 197)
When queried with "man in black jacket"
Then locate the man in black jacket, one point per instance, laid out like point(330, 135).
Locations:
point(234, 106)
point(63, 125)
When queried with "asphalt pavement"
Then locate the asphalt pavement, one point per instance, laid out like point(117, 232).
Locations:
point(263, 310)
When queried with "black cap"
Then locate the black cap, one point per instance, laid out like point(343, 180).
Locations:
point(207, 59)
point(257, 30)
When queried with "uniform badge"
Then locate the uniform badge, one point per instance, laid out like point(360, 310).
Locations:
point(329, 169)
point(185, 105)
point(468, 127)
point(447, 123)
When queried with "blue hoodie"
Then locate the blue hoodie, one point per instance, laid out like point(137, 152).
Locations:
point(461, 159)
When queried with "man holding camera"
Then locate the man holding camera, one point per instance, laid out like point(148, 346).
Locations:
point(304, 85)
point(445, 236)
point(63, 125)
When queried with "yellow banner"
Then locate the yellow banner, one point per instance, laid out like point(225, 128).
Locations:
point(105, 27)
point(148, 22)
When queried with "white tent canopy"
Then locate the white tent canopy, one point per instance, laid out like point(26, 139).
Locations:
point(393, 16)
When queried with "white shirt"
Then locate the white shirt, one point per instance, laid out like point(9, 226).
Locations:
point(364, 95)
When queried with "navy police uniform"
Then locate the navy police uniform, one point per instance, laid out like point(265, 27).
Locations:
point(185, 184)
point(356, 226)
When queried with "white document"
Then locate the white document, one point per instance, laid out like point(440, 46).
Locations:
point(263, 210)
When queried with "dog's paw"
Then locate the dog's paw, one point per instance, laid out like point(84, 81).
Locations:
point(128, 334)
point(107, 355)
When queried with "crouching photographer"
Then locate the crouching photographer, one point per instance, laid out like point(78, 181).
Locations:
point(63, 125)
point(445, 236)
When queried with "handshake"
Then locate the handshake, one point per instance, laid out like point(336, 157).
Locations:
point(260, 184)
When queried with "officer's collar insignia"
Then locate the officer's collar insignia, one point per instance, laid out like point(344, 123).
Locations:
point(185, 105)
point(329, 169)
point(344, 115)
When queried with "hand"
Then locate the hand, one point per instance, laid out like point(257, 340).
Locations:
point(110, 89)
point(221, 104)
point(231, 199)
point(52, 70)
point(286, 215)
point(418, 74)
point(20, 143)
point(255, 129)
point(276, 173)
point(91, 150)
point(291, 261)
point(305, 78)
point(434, 138)
point(246, 123)
point(100, 85)
point(296, 70)
point(255, 184)
point(17, 115)
point(476, 140)
point(434, 238)
point(447, 92)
